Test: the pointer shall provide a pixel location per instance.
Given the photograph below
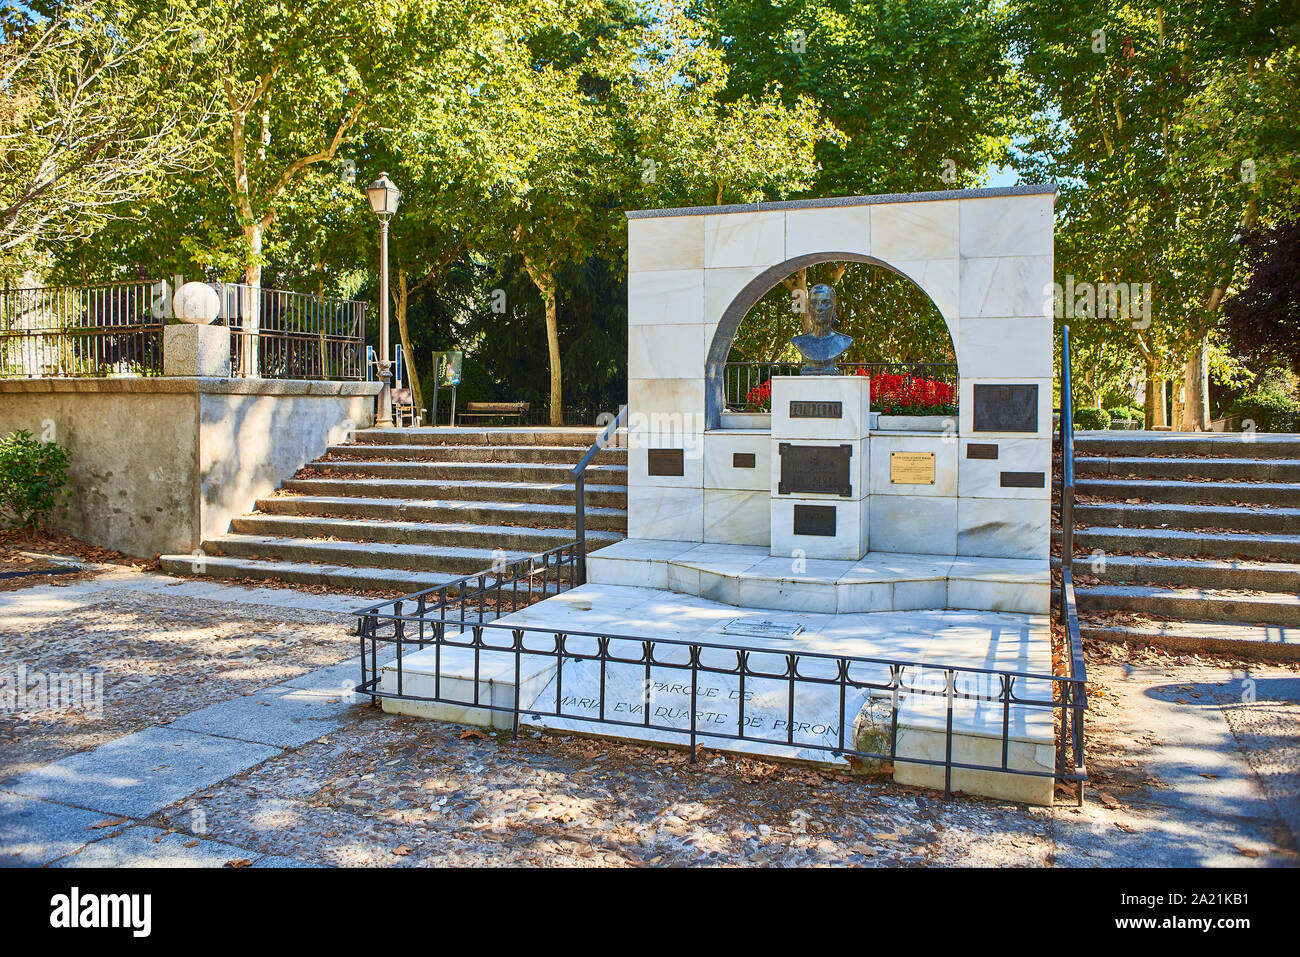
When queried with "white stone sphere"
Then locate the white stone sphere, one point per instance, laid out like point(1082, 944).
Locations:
point(196, 302)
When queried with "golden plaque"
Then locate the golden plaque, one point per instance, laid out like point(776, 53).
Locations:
point(911, 468)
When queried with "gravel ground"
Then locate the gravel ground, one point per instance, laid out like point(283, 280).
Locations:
point(386, 790)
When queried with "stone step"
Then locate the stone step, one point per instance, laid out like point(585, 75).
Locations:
point(453, 561)
point(1214, 493)
point(557, 454)
point(580, 438)
point(1192, 603)
point(1272, 642)
point(1257, 470)
point(1181, 541)
point(468, 534)
point(1185, 572)
point(557, 474)
point(535, 493)
point(341, 578)
point(1155, 514)
point(1234, 445)
point(405, 509)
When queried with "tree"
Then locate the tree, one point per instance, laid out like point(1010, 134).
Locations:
point(93, 119)
point(1264, 315)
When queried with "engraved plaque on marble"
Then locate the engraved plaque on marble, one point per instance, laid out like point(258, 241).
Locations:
point(814, 520)
point(911, 468)
point(1023, 480)
point(816, 410)
point(665, 462)
point(743, 460)
point(816, 469)
point(1005, 408)
point(981, 450)
point(766, 628)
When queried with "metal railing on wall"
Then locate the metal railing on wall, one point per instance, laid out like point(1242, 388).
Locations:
point(116, 329)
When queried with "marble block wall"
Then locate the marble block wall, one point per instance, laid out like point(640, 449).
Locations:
point(985, 257)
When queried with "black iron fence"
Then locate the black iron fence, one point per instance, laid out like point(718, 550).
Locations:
point(116, 329)
point(462, 617)
point(741, 380)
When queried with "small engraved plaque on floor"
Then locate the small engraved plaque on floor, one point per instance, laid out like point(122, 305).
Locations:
point(911, 468)
point(768, 628)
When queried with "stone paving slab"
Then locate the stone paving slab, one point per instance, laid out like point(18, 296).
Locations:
point(142, 846)
point(141, 773)
point(283, 717)
point(35, 832)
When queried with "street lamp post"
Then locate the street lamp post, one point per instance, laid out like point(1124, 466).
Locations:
point(384, 197)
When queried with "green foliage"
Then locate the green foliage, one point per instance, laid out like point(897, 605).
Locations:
point(1125, 413)
point(33, 480)
point(1088, 419)
point(1270, 410)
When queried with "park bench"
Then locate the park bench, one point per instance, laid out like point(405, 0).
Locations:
point(495, 409)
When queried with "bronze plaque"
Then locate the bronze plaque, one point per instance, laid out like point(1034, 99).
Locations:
point(1023, 480)
point(816, 469)
point(743, 460)
point(1005, 408)
point(816, 410)
point(665, 462)
point(911, 468)
point(980, 450)
point(814, 520)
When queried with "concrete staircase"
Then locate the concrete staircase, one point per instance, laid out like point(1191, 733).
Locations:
point(403, 509)
point(1197, 537)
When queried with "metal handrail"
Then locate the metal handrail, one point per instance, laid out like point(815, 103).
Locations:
point(580, 488)
point(1077, 691)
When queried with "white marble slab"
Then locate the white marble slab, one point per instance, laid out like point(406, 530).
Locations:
point(1012, 528)
point(942, 447)
point(902, 232)
point(744, 239)
point(938, 279)
point(1006, 226)
point(675, 242)
point(1006, 286)
point(852, 519)
point(666, 513)
point(665, 297)
point(853, 392)
point(913, 523)
point(738, 517)
point(720, 448)
point(1002, 348)
point(665, 351)
point(835, 229)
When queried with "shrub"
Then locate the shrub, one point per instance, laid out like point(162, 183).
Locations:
point(903, 394)
point(1089, 419)
point(1129, 413)
point(759, 398)
point(33, 480)
point(1271, 411)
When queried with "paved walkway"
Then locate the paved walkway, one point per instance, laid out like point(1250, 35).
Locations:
point(229, 736)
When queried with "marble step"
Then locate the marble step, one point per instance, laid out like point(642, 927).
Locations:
point(537, 493)
point(513, 537)
point(1215, 493)
point(452, 561)
point(1257, 470)
point(1269, 642)
point(1264, 445)
point(447, 510)
point(748, 576)
point(563, 455)
point(545, 472)
point(578, 437)
point(1183, 572)
point(1195, 604)
point(1184, 542)
point(338, 577)
point(1156, 515)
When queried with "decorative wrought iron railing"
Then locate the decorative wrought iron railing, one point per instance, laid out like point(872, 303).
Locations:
point(462, 616)
point(75, 331)
point(740, 379)
point(116, 329)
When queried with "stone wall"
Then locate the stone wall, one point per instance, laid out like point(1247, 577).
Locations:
point(158, 464)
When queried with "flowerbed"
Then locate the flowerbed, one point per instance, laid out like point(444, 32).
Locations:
point(891, 394)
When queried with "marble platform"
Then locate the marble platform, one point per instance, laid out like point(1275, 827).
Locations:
point(928, 640)
point(748, 576)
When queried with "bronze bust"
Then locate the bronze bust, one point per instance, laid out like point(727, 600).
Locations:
point(821, 347)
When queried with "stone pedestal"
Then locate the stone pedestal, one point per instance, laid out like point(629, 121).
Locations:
point(820, 471)
point(196, 350)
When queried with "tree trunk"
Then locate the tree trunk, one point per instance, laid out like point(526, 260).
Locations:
point(417, 396)
point(1196, 385)
point(553, 350)
point(1155, 397)
point(251, 299)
